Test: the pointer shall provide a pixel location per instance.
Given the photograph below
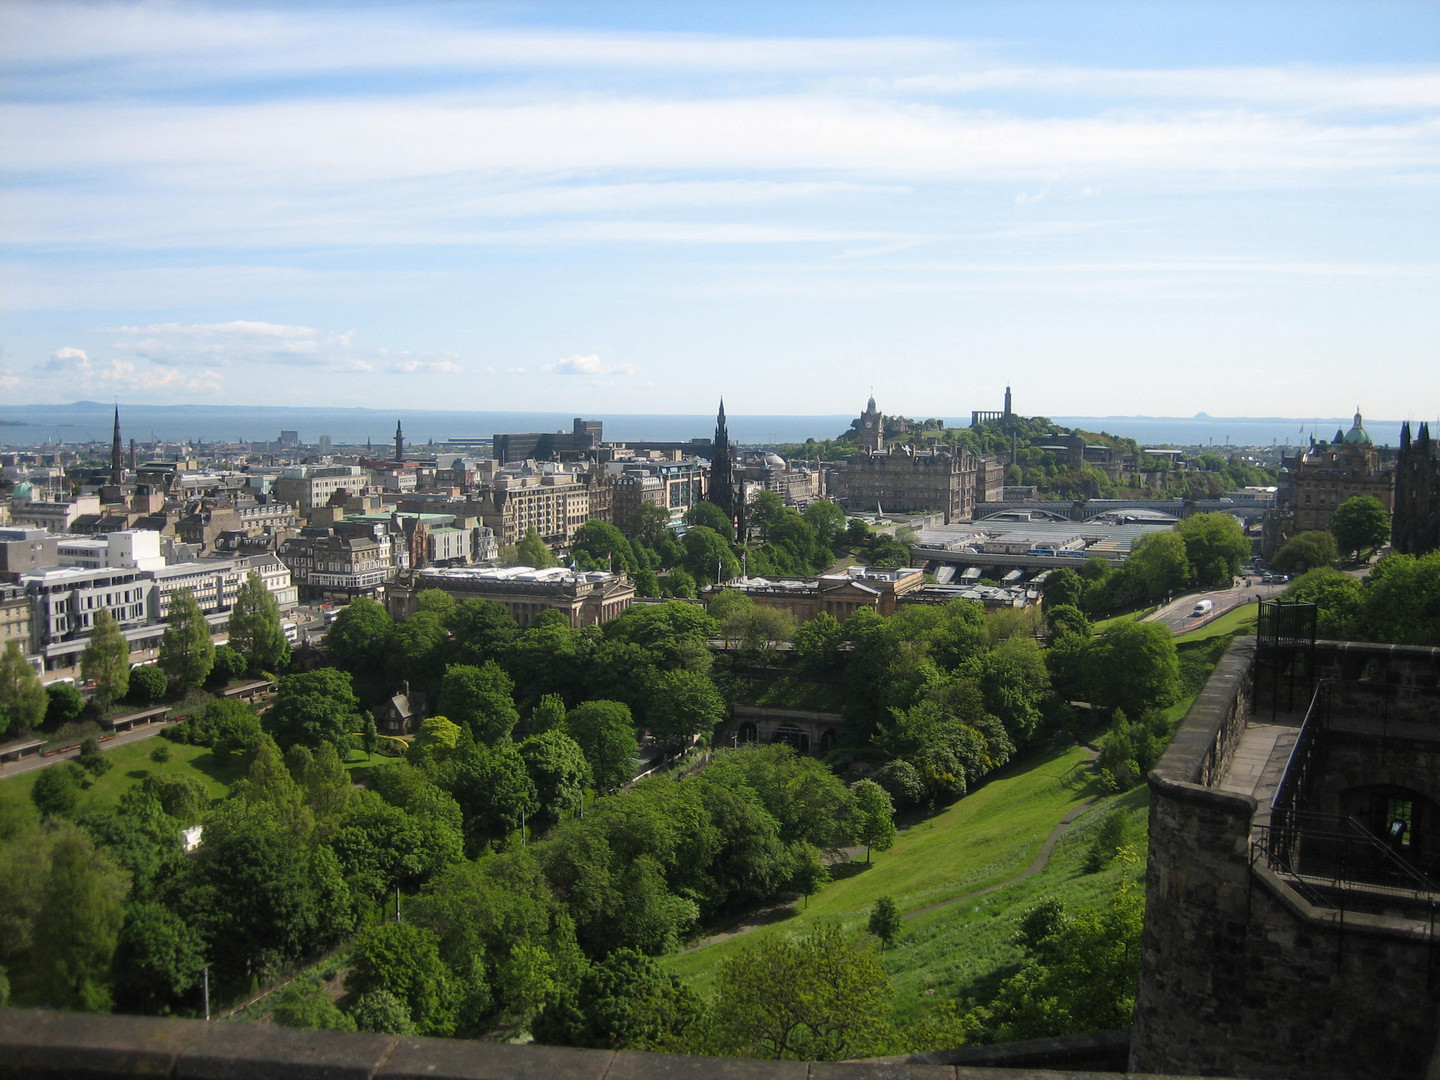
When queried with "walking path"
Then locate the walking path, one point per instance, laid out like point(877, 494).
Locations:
point(1259, 761)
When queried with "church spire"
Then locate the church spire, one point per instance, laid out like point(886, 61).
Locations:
point(117, 453)
point(722, 492)
point(399, 443)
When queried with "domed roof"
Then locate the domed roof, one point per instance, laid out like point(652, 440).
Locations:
point(1357, 435)
point(23, 490)
point(774, 461)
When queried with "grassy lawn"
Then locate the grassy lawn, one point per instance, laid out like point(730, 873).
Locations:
point(1100, 625)
point(131, 764)
point(1240, 621)
point(987, 837)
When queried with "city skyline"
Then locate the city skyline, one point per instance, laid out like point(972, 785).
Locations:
point(639, 208)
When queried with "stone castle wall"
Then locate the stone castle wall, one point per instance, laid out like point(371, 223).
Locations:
point(1239, 975)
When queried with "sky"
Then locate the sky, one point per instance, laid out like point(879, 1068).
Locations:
point(1117, 209)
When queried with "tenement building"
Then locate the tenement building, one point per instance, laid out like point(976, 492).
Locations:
point(1415, 528)
point(1320, 478)
point(949, 480)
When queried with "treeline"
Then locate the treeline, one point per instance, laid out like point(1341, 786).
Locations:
point(1397, 603)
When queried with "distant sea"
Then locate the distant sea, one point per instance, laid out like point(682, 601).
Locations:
point(87, 421)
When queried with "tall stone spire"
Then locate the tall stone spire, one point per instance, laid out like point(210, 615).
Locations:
point(722, 491)
point(117, 453)
point(399, 443)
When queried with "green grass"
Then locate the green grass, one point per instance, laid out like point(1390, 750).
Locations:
point(1240, 621)
point(1100, 625)
point(130, 765)
point(984, 839)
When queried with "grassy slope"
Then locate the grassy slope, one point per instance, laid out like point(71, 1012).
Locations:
point(987, 837)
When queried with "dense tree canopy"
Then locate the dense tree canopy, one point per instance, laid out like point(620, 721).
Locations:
point(186, 651)
point(254, 629)
point(1359, 524)
point(23, 700)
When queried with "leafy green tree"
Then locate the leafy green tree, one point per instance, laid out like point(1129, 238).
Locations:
point(807, 800)
point(481, 700)
point(1134, 666)
point(710, 516)
point(885, 921)
point(708, 553)
point(359, 641)
point(92, 759)
point(1215, 545)
point(229, 666)
point(828, 522)
point(1402, 600)
point(106, 660)
point(234, 729)
point(683, 704)
point(532, 551)
point(817, 643)
point(1065, 619)
point(875, 816)
point(380, 1010)
point(481, 630)
point(679, 583)
point(182, 798)
point(902, 782)
point(1064, 586)
point(56, 792)
point(624, 1002)
point(418, 650)
point(557, 767)
point(604, 547)
point(308, 1005)
point(254, 629)
point(63, 703)
point(548, 714)
point(1160, 563)
point(158, 960)
point(1307, 551)
point(186, 652)
point(78, 924)
point(404, 960)
point(1360, 523)
point(23, 700)
point(438, 601)
point(495, 794)
point(762, 630)
point(605, 732)
point(439, 737)
point(821, 998)
point(314, 707)
point(147, 683)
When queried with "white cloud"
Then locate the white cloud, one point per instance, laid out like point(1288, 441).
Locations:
point(80, 372)
point(592, 365)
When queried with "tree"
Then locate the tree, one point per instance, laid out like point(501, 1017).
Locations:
point(885, 921)
point(106, 660)
point(158, 959)
point(710, 516)
point(233, 727)
point(875, 816)
point(605, 732)
point(624, 1002)
point(254, 629)
point(147, 683)
point(1160, 563)
point(1216, 545)
point(817, 643)
point(359, 641)
point(57, 790)
point(314, 707)
point(1360, 523)
point(557, 767)
point(603, 546)
point(821, 998)
point(63, 703)
point(78, 924)
point(480, 699)
point(404, 960)
point(439, 737)
point(186, 652)
point(532, 551)
point(1307, 551)
point(23, 700)
point(708, 553)
point(1134, 666)
point(1401, 600)
point(828, 521)
point(1064, 586)
point(495, 794)
point(548, 714)
point(683, 704)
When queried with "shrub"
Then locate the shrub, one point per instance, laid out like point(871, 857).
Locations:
point(92, 760)
point(160, 755)
point(229, 666)
point(66, 704)
point(147, 683)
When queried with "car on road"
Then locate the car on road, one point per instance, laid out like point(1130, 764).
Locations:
point(1204, 607)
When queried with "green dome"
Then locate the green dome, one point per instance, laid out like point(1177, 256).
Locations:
point(1357, 435)
point(23, 490)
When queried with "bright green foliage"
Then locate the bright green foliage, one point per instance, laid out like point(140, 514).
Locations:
point(1307, 551)
point(439, 601)
point(1133, 666)
point(186, 652)
point(380, 1010)
point(1160, 564)
point(180, 797)
point(1065, 619)
point(875, 816)
point(828, 522)
point(547, 715)
point(706, 553)
point(255, 630)
point(233, 727)
point(625, 1002)
point(63, 703)
point(404, 960)
point(307, 1005)
point(597, 545)
point(77, 925)
point(158, 957)
point(821, 998)
point(710, 516)
point(557, 767)
point(817, 643)
point(1064, 586)
point(438, 738)
point(1402, 600)
point(683, 704)
point(605, 732)
point(885, 921)
point(22, 696)
point(359, 641)
point(494, 791)
point(679, 583)
point(531, 551)
point(92, 759)
point(229, 666)
point(1360, 523)
point(1215, 545)
point(481, 629)
point(57, 789)
point(807, 800)
point(147, 683)
point(481, 700)
point(106, 660)
point(418, 648)
point(314, 707)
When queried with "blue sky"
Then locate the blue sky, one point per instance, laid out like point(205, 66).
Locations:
point(1116, 208)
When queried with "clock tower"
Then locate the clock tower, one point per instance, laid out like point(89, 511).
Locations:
point(872, 427)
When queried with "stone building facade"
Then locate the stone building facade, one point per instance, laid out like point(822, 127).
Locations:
point(1415, 527)
point(586, 598)
point(1320, 478)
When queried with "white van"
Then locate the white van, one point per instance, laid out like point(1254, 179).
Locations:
point(1204, 607)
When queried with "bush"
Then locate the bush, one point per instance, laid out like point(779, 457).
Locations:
point(92, 759)
point(1109, 839)
point(229, 666)
point(160, 755)
point(66, 704)
point(57, 789)
point(147, 683)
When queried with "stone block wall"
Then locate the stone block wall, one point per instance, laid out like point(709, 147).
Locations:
point(1239, 976)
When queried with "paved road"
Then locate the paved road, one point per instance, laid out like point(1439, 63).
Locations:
point(30, 764)
point(1178, 614)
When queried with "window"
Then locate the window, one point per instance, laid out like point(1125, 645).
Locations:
point(1399, 821)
